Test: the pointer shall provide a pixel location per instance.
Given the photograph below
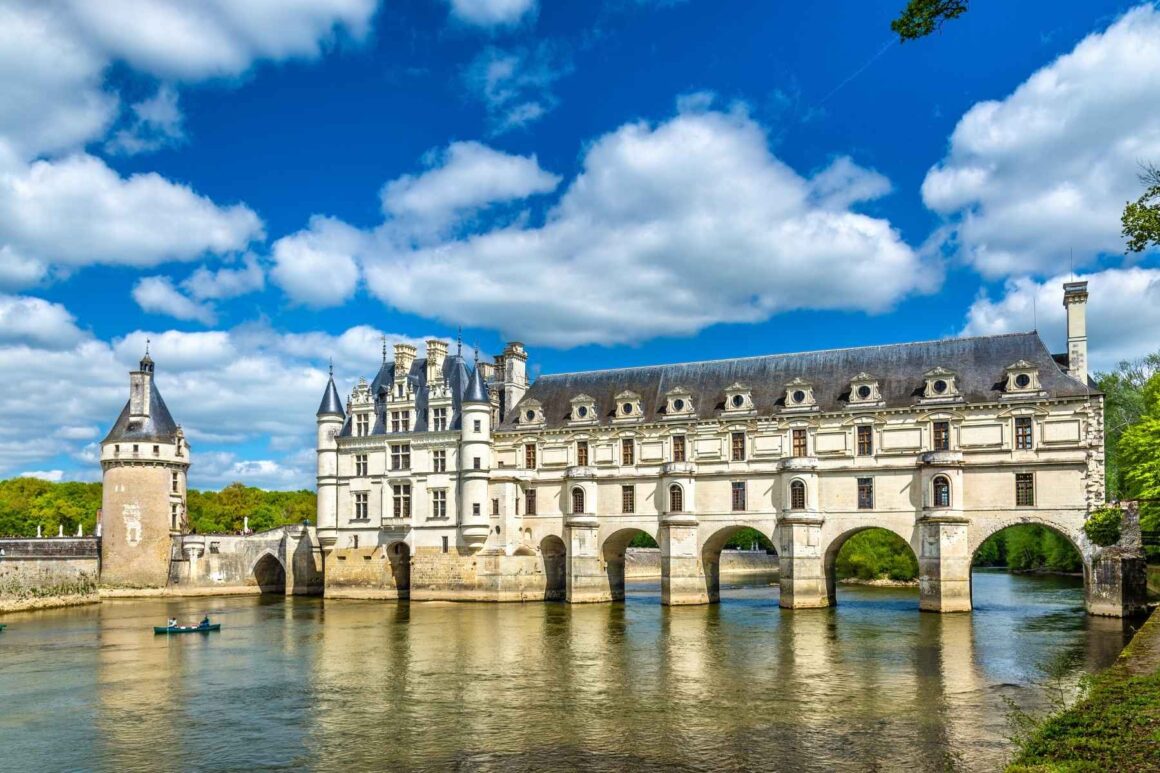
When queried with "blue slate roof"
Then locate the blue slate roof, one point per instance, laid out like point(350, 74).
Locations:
point(979, 364)
point(331, 403)
point(158, 428)
point(456, 375)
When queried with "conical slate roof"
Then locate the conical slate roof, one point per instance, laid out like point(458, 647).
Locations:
point(158, 427)
point(331, 404)
point(476, 389)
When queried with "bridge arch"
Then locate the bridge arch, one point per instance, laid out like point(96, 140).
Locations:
point(711, 550)
point(269, 573)
point(1071, 537)
point(612, 551)
point(834, 547)
point(554, 553)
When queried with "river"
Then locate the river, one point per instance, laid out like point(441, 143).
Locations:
point(870, 685)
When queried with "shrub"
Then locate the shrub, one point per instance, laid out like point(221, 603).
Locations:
point(1103, 526)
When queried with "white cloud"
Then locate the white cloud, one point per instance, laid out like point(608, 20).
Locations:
point(465, 177)
point(77, 211)
point(156, 294)
point(667, 230)
point(36, 322)
point(1047, 170)
point(1123, 314)
point(317, 267)
point(492, 13)
point(56, 476)
point(157, 122)
point(516, 85)
point(844, 183)
point(226, 282)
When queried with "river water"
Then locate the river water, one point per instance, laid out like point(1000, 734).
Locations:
point(871, 684)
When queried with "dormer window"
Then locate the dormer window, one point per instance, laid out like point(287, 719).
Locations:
point(583, 410)
point(678, 402)
point(864, 390)
point(799, 393)
point(1022, 379)
point(941, 384)
point(531, 413)
point(629, 406)
point(738, 399)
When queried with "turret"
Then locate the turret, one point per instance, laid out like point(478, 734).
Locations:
point(514, 364)
point(145, 463)
point(1075, 297)
point(474, 461)
point(330, 417)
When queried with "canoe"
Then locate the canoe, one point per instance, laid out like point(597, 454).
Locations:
point(187, 628)
point(3, 626)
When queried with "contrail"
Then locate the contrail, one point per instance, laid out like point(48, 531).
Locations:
point(857, 72)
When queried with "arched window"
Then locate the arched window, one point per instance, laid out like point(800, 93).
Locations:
point(577, 500)
point(676, 499)
point(941, 487)
point(797, 495)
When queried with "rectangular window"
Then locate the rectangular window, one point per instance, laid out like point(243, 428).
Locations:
point(531, 508)
point(360, 506)
point(400, 421)
point(530, 456)
point(865, 493)
point(1023, 433)
point(495, 507)
point(942, 436)
point(628, 499)
point(475, 508)
point(799, 443)
point(439, 460)
point(439, 419)
point(678, 448)
point(400, 457)
point(865, 440)
point(362, 424)
point(173, 481)
point(477, 425)
point(582, 453)
point(156, 450)
point(1024, 489)
point(738, 496)
point(627, 451)
point(360, 465)
point(444, 544)
point(402, 500)
point(476, 463)
point(173, 517)
point(439, 503)
point(738, 451)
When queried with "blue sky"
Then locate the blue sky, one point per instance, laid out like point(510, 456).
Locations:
point(616, 182)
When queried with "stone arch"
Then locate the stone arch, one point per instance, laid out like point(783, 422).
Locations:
point(612, 554)
point(269, 573)
point(711, 555)
point(982, 533)
point(399, 559)
point(555, 556)
point(830, 555)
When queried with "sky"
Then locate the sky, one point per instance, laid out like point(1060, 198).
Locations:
point(258, 188)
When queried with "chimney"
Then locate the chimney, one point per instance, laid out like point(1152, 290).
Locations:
point(436, 354)
point(515, 375)
point(140, 389)
point(404, 356)
point(1075, 301)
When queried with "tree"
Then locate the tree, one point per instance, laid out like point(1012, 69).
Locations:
point(1139, 457)
point(923, 17)
point(1123, 390)
point(1141, 219)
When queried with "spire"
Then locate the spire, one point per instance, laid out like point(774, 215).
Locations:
point(146, 361)
point(476, 389)
point(331, 403)
point(384, 350)
point(459, 341)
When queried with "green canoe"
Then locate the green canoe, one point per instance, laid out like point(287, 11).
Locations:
point(202, 628)
point(3, 626)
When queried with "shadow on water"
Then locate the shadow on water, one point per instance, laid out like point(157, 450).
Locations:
point(871, 684)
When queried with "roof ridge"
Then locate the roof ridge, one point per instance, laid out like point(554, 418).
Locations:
point(789, 354)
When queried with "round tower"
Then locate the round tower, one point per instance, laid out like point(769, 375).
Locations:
point(331, 417)
point(474, 462)
point(144, 461)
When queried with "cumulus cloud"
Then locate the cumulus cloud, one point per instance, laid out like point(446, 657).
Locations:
point(226, 282)
point(667, 230)
point(465, 177)
point(492, 13)
point(156, 122)
point(156, 294)
point(1047, 169)
point(56, 476)
point(317, 267)
point(1123, 314)
point(29, 321)
point(232, 390)
point(516, 85)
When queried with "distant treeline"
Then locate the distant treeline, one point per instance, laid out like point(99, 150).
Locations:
point(26, 503)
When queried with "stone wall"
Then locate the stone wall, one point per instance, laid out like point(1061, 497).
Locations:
point(41, 573)
point(646, 562)
point(282, 560)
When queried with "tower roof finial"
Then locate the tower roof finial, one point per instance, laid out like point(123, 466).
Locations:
point(459, 341)
point(384, 349)
point(332, 367)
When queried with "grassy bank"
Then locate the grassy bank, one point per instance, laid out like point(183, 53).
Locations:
point(1116, 726)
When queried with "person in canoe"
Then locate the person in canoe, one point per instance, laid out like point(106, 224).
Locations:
point(205, 621)
point(172, 622)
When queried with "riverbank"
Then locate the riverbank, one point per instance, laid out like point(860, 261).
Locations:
point(879, 582)
point(1116, 726)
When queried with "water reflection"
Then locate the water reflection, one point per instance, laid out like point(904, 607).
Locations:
point(871, 684)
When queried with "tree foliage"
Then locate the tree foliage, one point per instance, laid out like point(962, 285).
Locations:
point(1138, 452)
point(1027, 548)
point(1103, 526)
point(1141, 218)
point(923, 17)
point(876, 554)
point(1123, 390)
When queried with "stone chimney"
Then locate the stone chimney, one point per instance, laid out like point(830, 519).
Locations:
point(140, 388)
point(404, 357)
point(436, 354)
point(515, 375)
point(1075, 297)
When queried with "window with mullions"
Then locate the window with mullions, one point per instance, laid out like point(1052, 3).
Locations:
point(797, 495)
point(678, 448)
point(628, 499)
point(582, 453)
point(1023, 429)
point(400, 457)
point(738, 447)
point(402, 500)
point(800, 448)
point(865, 493)
point(941, 491)
point(942, 435)
point(865, 440)
point(1024, 489)
point(738, 498)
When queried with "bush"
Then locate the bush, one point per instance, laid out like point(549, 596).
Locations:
point(1103, 526)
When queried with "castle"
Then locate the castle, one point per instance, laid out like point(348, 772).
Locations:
point(440, 479)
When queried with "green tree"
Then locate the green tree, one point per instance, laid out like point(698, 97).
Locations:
point(1139, 456)
point(923, 17)
point(875, 554)
point(1141, 218)
point(1123, 390)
